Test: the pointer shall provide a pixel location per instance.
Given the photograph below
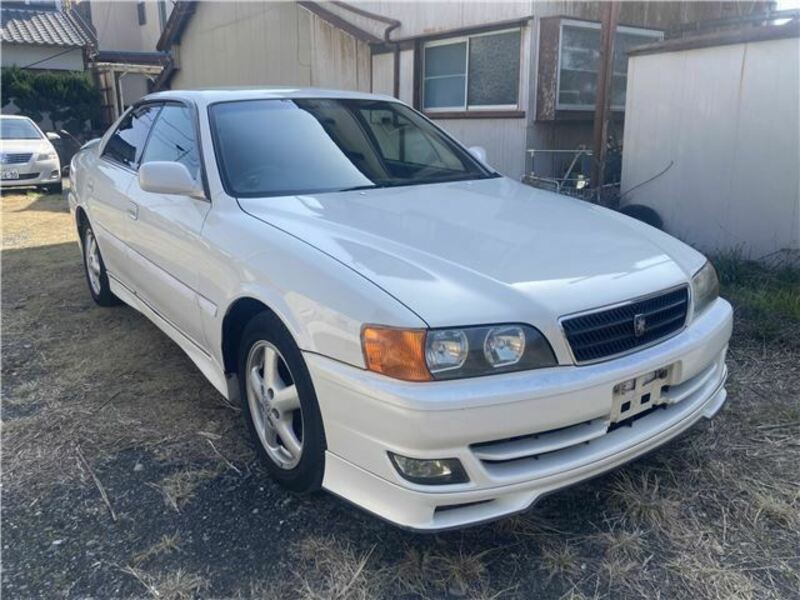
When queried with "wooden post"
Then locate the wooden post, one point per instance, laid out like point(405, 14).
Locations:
point(602, 104)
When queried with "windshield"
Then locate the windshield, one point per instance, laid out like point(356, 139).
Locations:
point(302, 146)
point(18, 129)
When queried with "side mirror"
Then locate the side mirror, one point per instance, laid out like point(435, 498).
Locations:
point(164, 177)
point(52, 136)
point(478, 152)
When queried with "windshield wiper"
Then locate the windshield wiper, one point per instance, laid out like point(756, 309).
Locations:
point(371, 186)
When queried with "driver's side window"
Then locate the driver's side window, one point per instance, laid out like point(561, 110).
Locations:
point(173, 139)
point(126, 144)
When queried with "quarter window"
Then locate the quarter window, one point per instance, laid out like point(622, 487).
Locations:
point(126, 144)
point(579, 62)
point(173, 139)
point(480, 71)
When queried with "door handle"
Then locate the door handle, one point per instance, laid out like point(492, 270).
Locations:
point(90, 186)
point(133, 210)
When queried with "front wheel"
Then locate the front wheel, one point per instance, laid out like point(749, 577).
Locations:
point(54, 188)
point(280, 406)
point(95, 270)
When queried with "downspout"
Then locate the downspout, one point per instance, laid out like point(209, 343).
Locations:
point(392, 24)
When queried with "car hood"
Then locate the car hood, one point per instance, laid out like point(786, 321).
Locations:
point(19, 146)
point(485, 251)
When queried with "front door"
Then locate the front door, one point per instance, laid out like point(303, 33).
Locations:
point(165, 236)
point(108, 185)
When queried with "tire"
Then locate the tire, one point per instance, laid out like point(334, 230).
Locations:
point(268, 401)
point(95, 270)
point(643, 213)
point(54, 188)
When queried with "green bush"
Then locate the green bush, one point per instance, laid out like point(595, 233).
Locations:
point(71, 99)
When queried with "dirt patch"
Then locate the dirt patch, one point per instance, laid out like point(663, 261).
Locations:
point(126, 475)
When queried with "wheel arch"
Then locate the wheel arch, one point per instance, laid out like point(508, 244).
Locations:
point(237, 316)
point(81, 221)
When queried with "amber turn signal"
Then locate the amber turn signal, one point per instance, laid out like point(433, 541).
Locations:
point(398, 353)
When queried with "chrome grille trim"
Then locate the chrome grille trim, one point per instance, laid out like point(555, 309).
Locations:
point(605, 333)
point(16, 159)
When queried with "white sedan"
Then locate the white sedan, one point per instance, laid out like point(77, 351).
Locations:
point(403, 326)
point(27, 156)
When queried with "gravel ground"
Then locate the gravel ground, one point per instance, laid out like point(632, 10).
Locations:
point(126, 475)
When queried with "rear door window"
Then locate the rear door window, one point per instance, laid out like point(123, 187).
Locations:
point(126, 144)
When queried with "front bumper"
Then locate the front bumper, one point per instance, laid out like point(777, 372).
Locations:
point(562, 416)
point(33, 173)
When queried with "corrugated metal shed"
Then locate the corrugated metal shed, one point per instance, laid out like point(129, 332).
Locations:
point(44, 28)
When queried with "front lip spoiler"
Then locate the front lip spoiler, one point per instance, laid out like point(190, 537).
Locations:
point(716, 400)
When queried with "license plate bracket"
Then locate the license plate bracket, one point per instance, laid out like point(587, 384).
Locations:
point(641, 393)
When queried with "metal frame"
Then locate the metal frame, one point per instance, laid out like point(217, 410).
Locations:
point(466, 107)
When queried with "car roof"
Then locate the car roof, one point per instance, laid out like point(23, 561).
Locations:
point(18, 117)
point(209, 96)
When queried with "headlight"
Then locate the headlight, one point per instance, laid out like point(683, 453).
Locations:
point(420, 355)
point(705, 287)
point(47, 156)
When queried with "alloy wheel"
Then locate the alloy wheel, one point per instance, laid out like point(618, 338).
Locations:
point(93, 268)
point(274, 404)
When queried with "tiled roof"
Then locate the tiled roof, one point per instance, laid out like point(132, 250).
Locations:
point(44, 28)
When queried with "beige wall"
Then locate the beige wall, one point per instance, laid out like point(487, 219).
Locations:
point(24, 55)
point(273, 43)
point(117, 24)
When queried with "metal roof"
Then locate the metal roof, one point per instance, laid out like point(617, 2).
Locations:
point(44, 28)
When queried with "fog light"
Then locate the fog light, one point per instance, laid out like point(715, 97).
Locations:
point(437, 471)
point(54, 174)
point(625, 387)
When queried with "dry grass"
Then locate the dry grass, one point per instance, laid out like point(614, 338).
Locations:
point(713, 515)
point(337, 571)
point(435, 572)
point(166, 545)
point(68, 363)
point(177, 585)
point(178, 489)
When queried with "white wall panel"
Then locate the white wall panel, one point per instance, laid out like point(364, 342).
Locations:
point(726, 118)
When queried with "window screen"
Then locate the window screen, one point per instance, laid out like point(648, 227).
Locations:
point(481, 70)
point(494, 69)
point(445, 75)
point(126, 144)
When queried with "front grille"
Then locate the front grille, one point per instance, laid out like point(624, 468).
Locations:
point(16, 159)
point(611, 332)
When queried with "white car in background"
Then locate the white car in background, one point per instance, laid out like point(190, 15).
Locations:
point(27, 156)
point(405, 327)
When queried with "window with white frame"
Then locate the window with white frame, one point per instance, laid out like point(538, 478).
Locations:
point(472, 73)
point(579, 58)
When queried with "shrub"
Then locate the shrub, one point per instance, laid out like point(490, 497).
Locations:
point(70, 98)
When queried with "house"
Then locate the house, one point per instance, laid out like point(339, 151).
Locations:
point(126, 61)
point(712, 138)
point(41, 36)
point(508, 76)
point(114, 40)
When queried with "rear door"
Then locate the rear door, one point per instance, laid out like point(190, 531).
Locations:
point(164, 238)
point(107, 186)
